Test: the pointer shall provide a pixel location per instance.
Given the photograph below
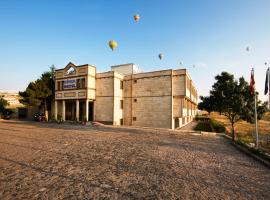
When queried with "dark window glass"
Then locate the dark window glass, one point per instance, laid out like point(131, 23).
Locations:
point(58, 85)
point(135, 81)
point(121, 121)
point(134, 118)
point(121, 104)
point(62, 85)
point(83, 83)
point(78, 83)
point(121, 85)
point(135, 100)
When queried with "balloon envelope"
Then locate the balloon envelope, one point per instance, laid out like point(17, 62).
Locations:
point(112, 44)
point(160, 56)
point(136, 17)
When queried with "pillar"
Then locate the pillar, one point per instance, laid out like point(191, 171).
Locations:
point(63, 110)
point(55, 109)
point(77, 110)
point(182, 107)
point(86, 109)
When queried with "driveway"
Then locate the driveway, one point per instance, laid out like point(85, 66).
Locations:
point(49, 161)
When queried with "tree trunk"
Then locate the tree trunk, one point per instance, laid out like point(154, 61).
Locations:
point(45, 110)
point(233, 133)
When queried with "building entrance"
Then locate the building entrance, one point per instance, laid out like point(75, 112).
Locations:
point(70, 110)
point(91, 111)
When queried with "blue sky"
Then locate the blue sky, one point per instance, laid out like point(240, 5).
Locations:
point(210, 34)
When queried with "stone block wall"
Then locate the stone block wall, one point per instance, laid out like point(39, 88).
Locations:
point(148, 99)
point(104, 98)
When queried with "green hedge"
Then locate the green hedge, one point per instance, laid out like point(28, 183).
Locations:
point(201, 118)
point(203, 126)
point(218, 126)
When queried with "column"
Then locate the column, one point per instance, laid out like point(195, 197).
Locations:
point(182, 107)
point(55, 109)
point(86, 109)
point(77, 110)
point(63, 110)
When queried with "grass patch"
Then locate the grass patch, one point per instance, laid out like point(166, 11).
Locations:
point(203, 126)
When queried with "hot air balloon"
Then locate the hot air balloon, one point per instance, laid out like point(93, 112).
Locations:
point(112, 44)
point(136, 17)
point(160, 56)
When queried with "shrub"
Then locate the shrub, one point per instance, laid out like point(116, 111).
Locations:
point(201, 118)
point(218, 126)
point(203, 126)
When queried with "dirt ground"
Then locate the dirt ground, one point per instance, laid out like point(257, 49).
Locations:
point(50, 161)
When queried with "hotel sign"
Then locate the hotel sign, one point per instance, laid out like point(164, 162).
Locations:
point(69, 84)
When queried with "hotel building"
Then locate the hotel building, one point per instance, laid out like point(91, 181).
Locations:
point(125, 96)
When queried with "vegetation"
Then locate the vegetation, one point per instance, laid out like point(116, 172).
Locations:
point(217, 126)
point(3, 105)
point(203, 126)
point(245, 131)
point(40, 92)
point(201, 118)
point(232, 99)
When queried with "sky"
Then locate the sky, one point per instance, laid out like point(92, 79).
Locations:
point(211, 35)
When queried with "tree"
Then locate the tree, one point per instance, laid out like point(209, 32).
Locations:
point(232, 99)
point(40, 92)
point(206, 104)
point(3, 105)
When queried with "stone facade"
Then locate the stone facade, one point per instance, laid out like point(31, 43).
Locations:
point(162, 99)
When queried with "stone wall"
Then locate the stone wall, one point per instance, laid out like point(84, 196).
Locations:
point(148, 99)
point(104, 98)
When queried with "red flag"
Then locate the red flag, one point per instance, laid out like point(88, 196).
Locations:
point(252, 82)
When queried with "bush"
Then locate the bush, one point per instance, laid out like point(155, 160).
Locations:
point(203, 126)
point(218, 126)
point(202, 118)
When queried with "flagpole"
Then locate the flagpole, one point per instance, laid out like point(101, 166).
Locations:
point(255, 109)
point(256, 120)
point(269, 87)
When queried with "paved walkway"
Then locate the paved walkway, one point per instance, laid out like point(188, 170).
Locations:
point(39, 161)
point(189, 127)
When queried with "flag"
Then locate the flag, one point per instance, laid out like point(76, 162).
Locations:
point(266, 82)
point(252, 83)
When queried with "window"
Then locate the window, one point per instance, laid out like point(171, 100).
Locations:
point(83, 83)
point(70, 71)
point(121, 104)
point(62, 85)
point(58, 85)
point(135, 81)
point(78, 83)
point(121, 85)
point(134, 118)
point(121, 121)
point(135, 100)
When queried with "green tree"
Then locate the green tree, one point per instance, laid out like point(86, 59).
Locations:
point(40, 92)
point(3, 105)
point(206, 104)
point(232, 99)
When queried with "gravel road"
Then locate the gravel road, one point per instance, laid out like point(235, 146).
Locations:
point(50, 161)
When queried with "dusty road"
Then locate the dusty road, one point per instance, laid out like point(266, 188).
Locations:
point(39, 161)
